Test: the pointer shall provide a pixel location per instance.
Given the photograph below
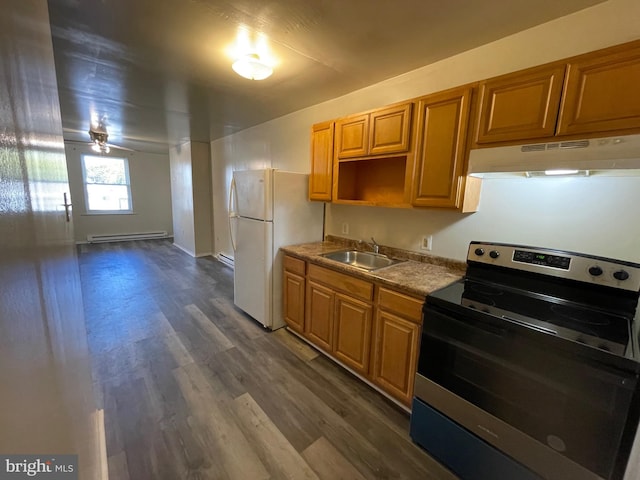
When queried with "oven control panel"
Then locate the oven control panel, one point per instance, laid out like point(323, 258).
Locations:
point(575, 266)
point(544, 259)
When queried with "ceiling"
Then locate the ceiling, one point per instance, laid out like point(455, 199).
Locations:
point(159, 71)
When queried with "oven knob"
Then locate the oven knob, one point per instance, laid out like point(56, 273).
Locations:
point(621, 275)
point(596, 271)
point(494, 254)
point(479, 252)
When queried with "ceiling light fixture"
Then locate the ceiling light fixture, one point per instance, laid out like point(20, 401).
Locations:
point(558, 173)
point(250, 66)
point(561, 172)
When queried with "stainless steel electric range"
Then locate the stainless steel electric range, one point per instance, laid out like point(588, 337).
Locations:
point(529, 366)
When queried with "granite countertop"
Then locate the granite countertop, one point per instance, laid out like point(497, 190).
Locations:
point(418, 275)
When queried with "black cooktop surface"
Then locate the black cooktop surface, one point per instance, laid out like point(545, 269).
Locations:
point(603, 330)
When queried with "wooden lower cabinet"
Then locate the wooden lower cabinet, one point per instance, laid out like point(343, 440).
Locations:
point(319, 315)
point(376, 336)
point(352, 324)
point(294, 293)
point(338, 316)
point(396, 354)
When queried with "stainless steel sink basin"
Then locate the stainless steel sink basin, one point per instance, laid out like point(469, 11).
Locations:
point(363, 260)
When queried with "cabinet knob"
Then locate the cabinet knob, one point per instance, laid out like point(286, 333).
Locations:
point(494, 254)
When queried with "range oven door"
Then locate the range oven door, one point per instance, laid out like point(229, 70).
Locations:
point(561, 416)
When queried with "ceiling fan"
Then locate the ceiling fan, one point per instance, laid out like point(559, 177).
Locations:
point(99, 140)
point(99, 137)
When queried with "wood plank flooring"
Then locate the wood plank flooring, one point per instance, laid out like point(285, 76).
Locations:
point(192, 388)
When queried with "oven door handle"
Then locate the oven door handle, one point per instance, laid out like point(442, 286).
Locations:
point(530, 325)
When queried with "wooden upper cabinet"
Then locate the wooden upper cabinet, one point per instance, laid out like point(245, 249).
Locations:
point(390, 130)
point(321, 178)
point(381, 132)
point(601, 92)
point(442, 128)
point(352, 136)
point(520, 106)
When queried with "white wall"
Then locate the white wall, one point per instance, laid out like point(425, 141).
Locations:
point(150, 195)
point(565, 218)
point(182, 197)
point(595, 215)
point(191, 197)
point(202, 213)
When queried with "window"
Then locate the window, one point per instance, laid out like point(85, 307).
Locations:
point(106, 184)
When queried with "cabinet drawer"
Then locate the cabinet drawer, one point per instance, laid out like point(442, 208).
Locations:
point(294, 265)
point(404, 305)
point(339, 281)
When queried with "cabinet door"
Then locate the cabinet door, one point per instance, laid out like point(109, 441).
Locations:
point(521, 105)
point(352, 343)
point(319, 315)
point(601, 93)
point(352, 136)
point(441, 150)
point(293, 297)
point(395, 357)
point(320, 180)
point(390, 130)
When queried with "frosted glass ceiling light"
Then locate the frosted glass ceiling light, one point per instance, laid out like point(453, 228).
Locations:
point(250, 66)
point(561, 172)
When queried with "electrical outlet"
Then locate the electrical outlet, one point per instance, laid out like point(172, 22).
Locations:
point(345, 228)
point(427, 242)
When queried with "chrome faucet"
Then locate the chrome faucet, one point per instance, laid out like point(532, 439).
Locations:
point(375, 245)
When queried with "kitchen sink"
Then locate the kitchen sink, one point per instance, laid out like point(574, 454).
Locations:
point(363, 260)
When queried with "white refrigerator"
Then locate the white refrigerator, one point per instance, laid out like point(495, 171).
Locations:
point(268, 209)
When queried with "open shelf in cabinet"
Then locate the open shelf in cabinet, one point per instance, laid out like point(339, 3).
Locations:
point(372, 181)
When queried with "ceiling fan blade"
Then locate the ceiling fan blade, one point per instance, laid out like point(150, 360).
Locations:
point(78, 142)
point(90, 144)
point(118, 147)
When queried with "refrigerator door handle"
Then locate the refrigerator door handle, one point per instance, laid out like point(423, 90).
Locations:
point(232, 214)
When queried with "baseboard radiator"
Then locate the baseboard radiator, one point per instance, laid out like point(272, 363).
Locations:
point(226, 259)
point(120, 237)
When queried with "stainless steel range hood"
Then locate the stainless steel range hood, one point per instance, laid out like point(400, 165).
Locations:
point(595, 154)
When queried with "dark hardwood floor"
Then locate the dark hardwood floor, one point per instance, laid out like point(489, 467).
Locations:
point(192, 388)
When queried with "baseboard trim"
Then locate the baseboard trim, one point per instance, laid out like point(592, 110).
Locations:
point(102, 445)
point(188, 252)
